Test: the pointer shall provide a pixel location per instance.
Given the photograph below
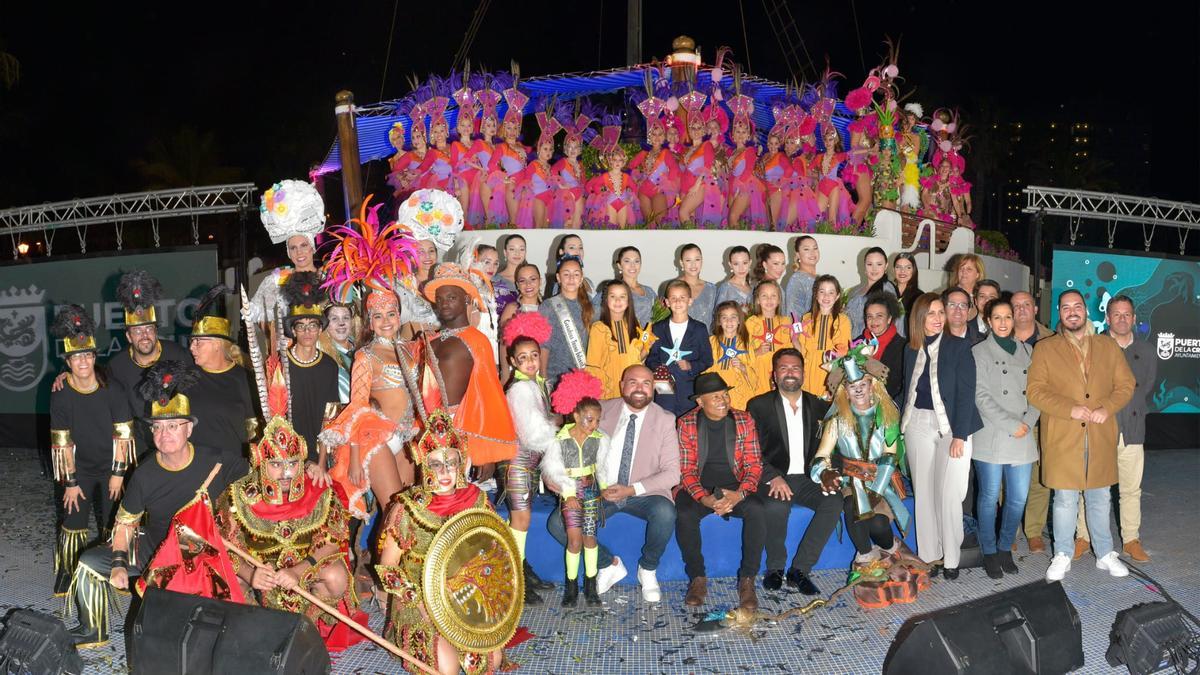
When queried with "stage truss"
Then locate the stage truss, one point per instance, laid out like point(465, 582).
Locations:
point(120, 209)
point(1079, 205)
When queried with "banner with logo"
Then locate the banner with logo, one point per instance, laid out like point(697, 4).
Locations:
point(30, 293)
point(1165, 290)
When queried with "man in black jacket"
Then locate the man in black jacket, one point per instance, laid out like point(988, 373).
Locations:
point(788, 420)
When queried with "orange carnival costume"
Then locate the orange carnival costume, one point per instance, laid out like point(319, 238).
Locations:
point(369, 257)
point(482, 415)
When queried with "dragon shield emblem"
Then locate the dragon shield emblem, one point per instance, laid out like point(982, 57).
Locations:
point(1166, 345)
point(23, 343)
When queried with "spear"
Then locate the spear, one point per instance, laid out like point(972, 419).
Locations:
point(256, 360)
point(361, 629)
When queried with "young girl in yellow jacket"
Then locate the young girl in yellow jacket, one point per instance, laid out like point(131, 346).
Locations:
point(615, 342)
point(733, 359)
point(823, 329)
point(769, 329)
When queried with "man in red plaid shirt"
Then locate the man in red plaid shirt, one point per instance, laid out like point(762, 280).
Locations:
point(721, 465)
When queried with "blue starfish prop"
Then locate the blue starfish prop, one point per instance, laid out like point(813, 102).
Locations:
point(675, 353)
point(729, 352)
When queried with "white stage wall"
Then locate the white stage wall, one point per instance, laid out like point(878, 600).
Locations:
point(840, 255)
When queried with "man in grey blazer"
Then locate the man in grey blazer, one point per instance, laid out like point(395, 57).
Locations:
point(1131, 425)
point(642, 468)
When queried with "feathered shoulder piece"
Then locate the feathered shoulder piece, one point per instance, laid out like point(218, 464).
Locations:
point(74, 323)
point(527, 324)
point(138, 290)
point(163, 380)
point(573, 387)
point(303, 289)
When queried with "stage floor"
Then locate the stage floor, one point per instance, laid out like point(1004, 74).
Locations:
point(628, 636)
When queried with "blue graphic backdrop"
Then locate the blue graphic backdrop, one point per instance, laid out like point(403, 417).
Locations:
point(1166, 295)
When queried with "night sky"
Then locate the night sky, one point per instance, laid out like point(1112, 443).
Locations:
point(101, 83)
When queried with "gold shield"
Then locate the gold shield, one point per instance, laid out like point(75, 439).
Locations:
point(473, 585)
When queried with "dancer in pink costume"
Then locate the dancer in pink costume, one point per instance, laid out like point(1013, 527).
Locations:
point(703, 166)
point(405, 166)
point(654, 169)
point(612, 197)
point(464, 174)
point(747, 192)
point(800, 144)
point(535, 183)
point(437, 175)
point(942, 195)
point(508, 159)
point(950, 133)
point(486, 100)
point(566, 210)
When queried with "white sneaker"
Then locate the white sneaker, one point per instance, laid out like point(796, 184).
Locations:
point(649, 583)
point(1113, 565)
point(1059, 566)
point(609, 576)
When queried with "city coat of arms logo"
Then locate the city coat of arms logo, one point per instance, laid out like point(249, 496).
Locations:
point(1166, 345)
point(22, 338)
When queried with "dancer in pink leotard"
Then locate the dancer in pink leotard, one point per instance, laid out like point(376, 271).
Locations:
point(535, 183)
point(654, 169)
point(569, 176)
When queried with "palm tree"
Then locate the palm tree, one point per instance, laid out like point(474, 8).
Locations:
point(10, 69)
point(186, 158)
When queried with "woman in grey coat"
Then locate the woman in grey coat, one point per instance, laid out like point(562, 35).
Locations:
point(1005, 448)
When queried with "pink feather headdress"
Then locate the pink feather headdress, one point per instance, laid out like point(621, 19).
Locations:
point(527, 324)
point(573, 387)
point(368, 255)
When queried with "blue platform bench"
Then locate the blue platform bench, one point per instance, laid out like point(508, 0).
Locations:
point(624, 535)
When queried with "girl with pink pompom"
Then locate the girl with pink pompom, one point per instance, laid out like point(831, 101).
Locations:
point(575, 464)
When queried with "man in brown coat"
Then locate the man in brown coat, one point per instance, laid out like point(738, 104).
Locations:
point(1079, 380)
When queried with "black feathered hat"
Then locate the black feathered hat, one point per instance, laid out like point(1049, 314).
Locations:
point(76, 329)
point(208, 320)
point(138, 292)
point(305, 298)
point(162, 386)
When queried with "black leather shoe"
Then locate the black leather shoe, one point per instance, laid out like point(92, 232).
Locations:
point(591, 592)
point(1006, 562)
point(951, 573)
point(571, 593)
point(531, 596)
point(991, 565)
point(532, 580)
point(773, 580)
point(800, 581)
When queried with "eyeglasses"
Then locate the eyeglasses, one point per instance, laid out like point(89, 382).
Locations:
point(958, 305)
point(147, 329)
point(306, 327)
point(160, 427)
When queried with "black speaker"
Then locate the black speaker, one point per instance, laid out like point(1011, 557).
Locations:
point(37, 643)
point(190, 635)
point(1149, 637)
point(1029, 629)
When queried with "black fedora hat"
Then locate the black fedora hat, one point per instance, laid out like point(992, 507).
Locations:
point(708, 383)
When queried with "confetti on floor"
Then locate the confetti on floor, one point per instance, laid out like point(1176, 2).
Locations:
point(627, 635)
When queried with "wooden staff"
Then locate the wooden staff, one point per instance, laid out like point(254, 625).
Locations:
point(362, 630)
